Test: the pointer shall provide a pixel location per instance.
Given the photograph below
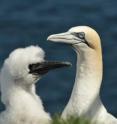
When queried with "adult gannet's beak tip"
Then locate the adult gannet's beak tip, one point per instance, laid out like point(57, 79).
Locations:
point(49, 37)
point(53, 38)
point(61, 37)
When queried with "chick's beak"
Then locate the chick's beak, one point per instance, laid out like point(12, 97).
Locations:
point(43, 67)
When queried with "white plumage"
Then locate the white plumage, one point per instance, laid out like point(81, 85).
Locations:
point(23, 105)
point(85, 99)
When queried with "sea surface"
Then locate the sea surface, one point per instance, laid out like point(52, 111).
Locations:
point(29, 22)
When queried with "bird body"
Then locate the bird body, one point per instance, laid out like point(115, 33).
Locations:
point(85, 99)
point(20, 71)
point(24, 108)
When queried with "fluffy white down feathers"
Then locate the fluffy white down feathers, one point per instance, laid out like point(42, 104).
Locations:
point(23, 105)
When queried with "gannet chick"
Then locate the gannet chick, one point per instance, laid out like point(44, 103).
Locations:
point(19, 73)
point(85, 100)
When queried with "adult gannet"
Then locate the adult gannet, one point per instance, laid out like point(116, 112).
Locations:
point(85, 100)
point(19, 73)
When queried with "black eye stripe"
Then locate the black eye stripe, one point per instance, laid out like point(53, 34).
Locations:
point(33, 66)
point(80, 35)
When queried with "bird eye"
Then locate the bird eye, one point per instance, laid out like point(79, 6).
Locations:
point(80, 35)
point(32, 67)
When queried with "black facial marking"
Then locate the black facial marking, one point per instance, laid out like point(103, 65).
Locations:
point(81, 35)
point(33, 67)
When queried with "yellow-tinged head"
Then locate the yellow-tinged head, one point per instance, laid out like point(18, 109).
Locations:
point(86, 42)
point(82, 36)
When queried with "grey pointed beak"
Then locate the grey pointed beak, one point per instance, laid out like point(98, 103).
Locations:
point(66, 37)
point(43, 67)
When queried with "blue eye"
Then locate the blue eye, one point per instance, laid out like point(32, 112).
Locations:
point(80, 35)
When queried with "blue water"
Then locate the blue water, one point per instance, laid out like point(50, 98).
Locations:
point(27, 22)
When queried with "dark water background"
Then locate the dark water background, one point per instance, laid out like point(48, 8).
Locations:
point(29, 22)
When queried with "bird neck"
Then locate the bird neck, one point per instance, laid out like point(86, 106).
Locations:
point(22, 104)
point(17, 96)
point(87, 82)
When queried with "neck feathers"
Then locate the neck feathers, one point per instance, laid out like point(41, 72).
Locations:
point(87, 83)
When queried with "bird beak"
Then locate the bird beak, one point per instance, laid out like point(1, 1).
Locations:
point(43, 67)
point(66, 37)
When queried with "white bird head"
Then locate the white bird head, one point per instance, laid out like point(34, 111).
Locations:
point(27, 65)
point(79, 36)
